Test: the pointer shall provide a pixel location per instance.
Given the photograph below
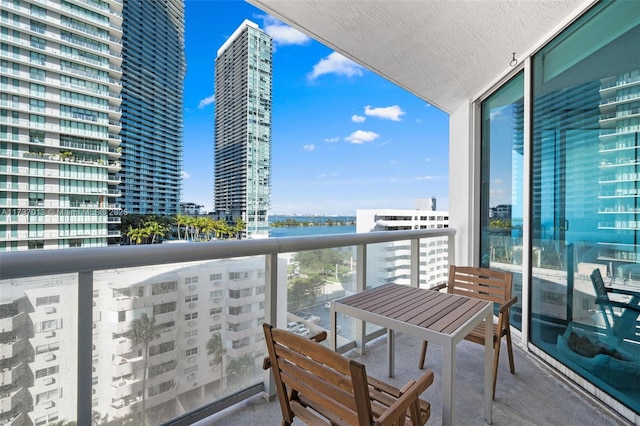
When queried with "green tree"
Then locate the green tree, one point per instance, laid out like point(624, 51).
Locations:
point(239, 227)
point(181, 220)
point(215, 347)
point(320, 261)
point(142, 332)
point(241, 368)
point(221, 228)
point(155, 229)
point(138, 235)
point(299, 289)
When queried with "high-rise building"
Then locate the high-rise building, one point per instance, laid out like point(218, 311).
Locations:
point(242, 181)
point(60, 72)
point(153, 64)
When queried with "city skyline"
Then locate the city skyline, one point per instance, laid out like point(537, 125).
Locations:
point(343, 138)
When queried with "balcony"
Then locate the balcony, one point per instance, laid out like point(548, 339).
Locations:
point(197, 387)
point(532, 396)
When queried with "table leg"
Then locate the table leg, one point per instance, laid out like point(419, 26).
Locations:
point(391, 354)
point(488, 368)
point(448, 382)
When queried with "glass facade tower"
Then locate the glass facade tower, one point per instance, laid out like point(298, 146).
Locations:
point(242, 150)
point(59, 123)
point(153, 63)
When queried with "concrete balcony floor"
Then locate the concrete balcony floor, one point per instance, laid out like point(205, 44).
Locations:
point(532, 396)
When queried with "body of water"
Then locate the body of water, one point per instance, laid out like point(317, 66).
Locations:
point(299, 231)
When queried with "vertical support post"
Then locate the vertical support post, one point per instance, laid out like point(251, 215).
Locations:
point(270, 312)
point(84, 350)
point(361, 285)
point(527, 219)
point(451, 249)
point(415, 263)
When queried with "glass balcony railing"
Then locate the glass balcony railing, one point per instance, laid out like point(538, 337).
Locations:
point(156, 334)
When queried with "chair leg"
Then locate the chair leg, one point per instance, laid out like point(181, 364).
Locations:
point(512, 366)
point(496, 358)
point(423, 354)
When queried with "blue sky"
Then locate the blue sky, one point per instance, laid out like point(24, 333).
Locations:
point(343, 138)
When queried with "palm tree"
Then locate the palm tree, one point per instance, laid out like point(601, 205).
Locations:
point(155, 229)
point(182, 219)
point(221, 228)
point(190, 226)
point(142, 331)
point(239, 369)
point(216, 348)
point(139, 234)
point(207, 227)
point(240, 226)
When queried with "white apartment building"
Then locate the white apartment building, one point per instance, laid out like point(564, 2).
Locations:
point(60, 72)
point(396, 257)
point(187, 305)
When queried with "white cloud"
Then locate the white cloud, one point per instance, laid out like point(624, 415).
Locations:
point(428, 160)
point(185, 175)
point(497, 181)
point(361, 136)
point(358, 118)
point(207, 101)
point(332, 140)
point(388, 113)
point(310, 147)
point(282, 33)
point(428, 177)
point(335, 63)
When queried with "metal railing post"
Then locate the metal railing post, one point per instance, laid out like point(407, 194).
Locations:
point(271, 312)
point(361, 285)
point(85, 345)
point(415, 262)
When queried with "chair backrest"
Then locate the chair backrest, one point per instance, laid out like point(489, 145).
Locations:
point(480, 283)
point(309, 374)
point(598, 285)
point(602, 298)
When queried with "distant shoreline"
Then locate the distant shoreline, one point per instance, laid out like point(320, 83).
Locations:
point(303, 221)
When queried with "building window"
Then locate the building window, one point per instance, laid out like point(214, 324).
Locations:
point(47, 300)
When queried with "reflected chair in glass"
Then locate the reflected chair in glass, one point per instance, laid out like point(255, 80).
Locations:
point(485, 284)
point(620, 315)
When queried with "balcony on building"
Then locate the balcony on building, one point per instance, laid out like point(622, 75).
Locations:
point(473, 60)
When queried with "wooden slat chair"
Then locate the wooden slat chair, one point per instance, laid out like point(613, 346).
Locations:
point(320, 387)
point(486, 284)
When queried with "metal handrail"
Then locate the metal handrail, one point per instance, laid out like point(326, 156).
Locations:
point(49, 262)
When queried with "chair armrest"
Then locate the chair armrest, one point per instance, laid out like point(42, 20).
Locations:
point(505, 307)
point(618, 290)
point(439, 287)
point(410, 397)
point(319, 337)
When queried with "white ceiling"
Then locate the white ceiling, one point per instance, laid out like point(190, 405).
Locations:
point(444, 51)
